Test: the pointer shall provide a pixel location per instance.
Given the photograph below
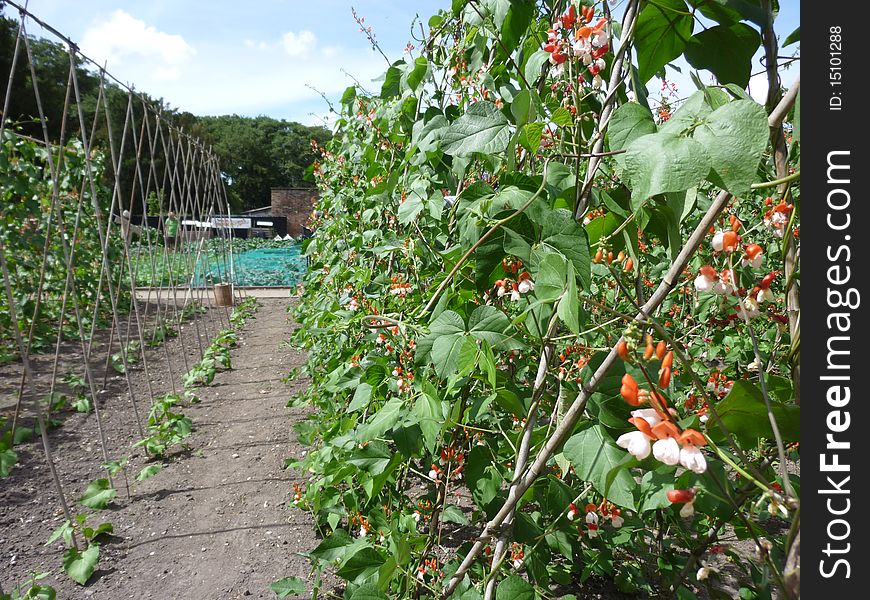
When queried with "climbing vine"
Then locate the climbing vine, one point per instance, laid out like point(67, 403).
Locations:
point(28, 230)
point(552, 320)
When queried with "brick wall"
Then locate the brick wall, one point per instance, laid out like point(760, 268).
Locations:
point(294, 203)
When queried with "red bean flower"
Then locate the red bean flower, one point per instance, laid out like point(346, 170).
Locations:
point(753, 255)
point(725, 241)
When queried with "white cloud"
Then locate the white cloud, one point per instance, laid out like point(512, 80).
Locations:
point(247, 75)
point(273, 82)
point(298, 44)
point(125, 39)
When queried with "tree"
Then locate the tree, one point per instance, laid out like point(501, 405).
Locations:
point(257, 154)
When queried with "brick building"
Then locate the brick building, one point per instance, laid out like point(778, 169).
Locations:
point(295, 204)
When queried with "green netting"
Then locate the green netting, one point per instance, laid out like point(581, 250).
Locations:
point(268, 267)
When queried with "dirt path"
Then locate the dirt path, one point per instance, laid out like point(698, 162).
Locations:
point(213, 524)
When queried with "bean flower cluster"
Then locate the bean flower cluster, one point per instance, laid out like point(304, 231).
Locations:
point(595, 515)
point(724, 282)
point(657, 432)
point(574, 37)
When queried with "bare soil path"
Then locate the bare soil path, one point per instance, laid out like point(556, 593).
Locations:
point(214, 523)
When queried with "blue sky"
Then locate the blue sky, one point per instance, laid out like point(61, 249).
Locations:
point(221, 57)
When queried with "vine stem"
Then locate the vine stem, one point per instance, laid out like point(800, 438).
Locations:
point(25, 361)
point(713, 534)
point(495, 33)
point(760, 186)
point(498, 225)
point(616, 75)
point(758, 478)
point(790, 259)
point(575, 411)
point(762, 380)
point(523, 452)
point(566, 427)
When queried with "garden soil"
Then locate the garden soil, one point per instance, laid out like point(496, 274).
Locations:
point(216, 522)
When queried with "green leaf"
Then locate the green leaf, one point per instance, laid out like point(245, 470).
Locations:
point(483, 128)
point(705, 51)
point(349, 95)
point(81, 565)
point(732, 11)
point(516, 22)
point(654, 488)
point(289, 586)
point(361, 565)
point(694, 110)
point(560, 541)
point(523, 108)
point(481, 477)
point(64, 531)
point(490, 324)
point(562, 117)
point(510, 402)
point(410, 208)
point(81, 403)
point(453, 514)
point(629, 122)
point(361, 397)
point(148, 471)
point(594, 455)
point(515, 588)
point(569, 305)
point(744, 414)
point(98, 494)
point(383, 421)
point(373, 457)
point(445, 353)
point(662, 162)
point(392, 80)
point(36, 591)
point(734, 136)
point(446, 324)
point(431, 415)
point(663, 27)
point(408, 438)
point(333, 547)
point(466, 358)
point(560, 178)
point(487, 364)
point(530, 136)
point(550, 280)
point(368, 591)
point(563, 233)
point(22, 434)
point(448, 341)
point(603, 226)
point(516, 244)
point(793, 37)
point(427, 136)
point(417, 72)
point(534, 65)
point(7, 459)
point(780, 388)
point(101, 529)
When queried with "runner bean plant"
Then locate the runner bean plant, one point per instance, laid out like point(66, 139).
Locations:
point(553, 319)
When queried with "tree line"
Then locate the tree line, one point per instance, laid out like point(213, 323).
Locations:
point(255, 153)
